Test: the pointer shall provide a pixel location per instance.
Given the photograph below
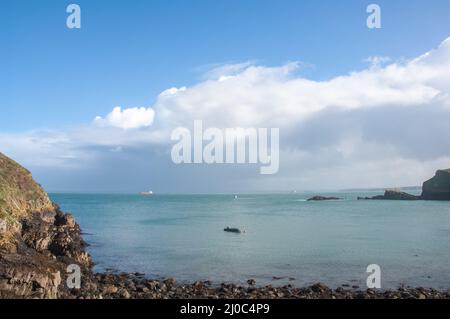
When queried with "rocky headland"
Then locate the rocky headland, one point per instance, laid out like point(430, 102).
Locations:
point(438, 187)
point(38, 242)
point(393, 195)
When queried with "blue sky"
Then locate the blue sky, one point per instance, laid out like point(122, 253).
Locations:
point(129, 51)
point(341, 118)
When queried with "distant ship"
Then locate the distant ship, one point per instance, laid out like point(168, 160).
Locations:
point(147, 193)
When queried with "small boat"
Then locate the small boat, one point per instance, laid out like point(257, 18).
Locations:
point(232, 230)
point(147, 193)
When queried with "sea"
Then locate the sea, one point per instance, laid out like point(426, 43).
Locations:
point(284, 238)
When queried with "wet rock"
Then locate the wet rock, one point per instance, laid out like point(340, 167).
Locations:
point(251, 282)
point(170, 282)
point(277, 278)
point(320, 288)
point(232, 230)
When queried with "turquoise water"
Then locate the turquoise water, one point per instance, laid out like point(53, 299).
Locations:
point(302, 242)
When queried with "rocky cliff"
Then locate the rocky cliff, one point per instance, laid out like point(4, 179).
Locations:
point(20, 196)
point(438, 187)
point(37, 240)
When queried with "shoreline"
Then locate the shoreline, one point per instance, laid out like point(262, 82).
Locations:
point(136, 286)
point(258, 283)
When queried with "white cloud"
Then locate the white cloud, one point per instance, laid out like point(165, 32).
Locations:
point(377, 61)
point(172, 91)
point(129, 118)
point(226, 70)
point(251, 95)
point(372, 127)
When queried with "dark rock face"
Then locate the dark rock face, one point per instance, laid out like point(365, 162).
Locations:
point(36, 268)
point(438, 187)
point(319, 198)
point(29, 275)
point(392, 195)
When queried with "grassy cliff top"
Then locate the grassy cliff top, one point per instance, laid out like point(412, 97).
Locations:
point(20, 195)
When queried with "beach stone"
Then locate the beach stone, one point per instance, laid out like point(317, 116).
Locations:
point(110, 289)
point(319, 287)
point(170, 282)
point(124, 294)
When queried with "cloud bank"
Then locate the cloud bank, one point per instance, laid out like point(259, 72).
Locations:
point(387, 125)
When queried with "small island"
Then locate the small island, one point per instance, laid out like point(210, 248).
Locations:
point(321, 198)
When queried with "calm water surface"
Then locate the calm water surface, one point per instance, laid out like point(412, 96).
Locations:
point(302, 242)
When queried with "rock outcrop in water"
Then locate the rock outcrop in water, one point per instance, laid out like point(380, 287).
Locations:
point(38, 242)
point(232, 230)
point(321, 198)
point(392, 195)
point(438, 187)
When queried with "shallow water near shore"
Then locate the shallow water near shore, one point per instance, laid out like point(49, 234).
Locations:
point(285, 238)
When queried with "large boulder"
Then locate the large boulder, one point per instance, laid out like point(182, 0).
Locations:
point(438, 187)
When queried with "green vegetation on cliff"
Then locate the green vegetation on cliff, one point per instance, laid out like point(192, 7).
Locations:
point(20, 196)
